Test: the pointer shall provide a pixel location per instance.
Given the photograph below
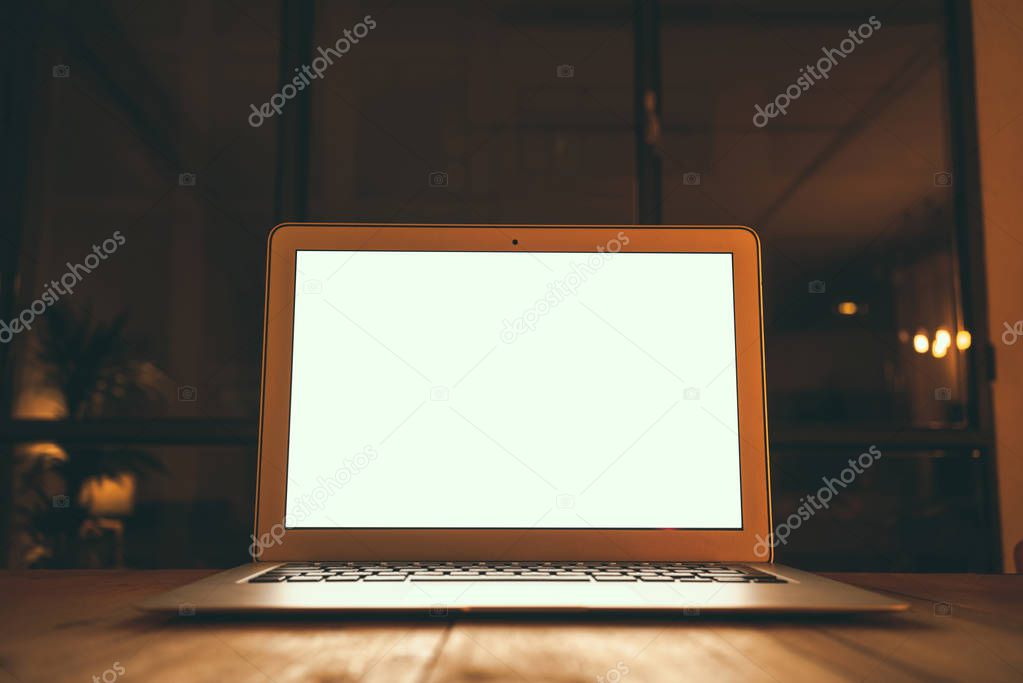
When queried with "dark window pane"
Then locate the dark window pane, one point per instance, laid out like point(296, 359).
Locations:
point(499, 112)
point(846, 188)
point(148, 135)
point(905, 511)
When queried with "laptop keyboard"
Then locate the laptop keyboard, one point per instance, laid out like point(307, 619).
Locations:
point(677, 572)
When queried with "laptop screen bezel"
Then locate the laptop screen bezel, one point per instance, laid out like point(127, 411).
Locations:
point(286, 240)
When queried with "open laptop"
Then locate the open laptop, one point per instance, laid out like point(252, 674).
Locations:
point(513, 417)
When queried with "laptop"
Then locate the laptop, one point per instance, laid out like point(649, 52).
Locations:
point(513, 418)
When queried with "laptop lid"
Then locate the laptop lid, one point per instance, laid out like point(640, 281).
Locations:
point(512, 392)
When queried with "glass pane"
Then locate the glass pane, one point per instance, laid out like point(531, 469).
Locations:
point(499, 112)
point(846, 182)
point(106, 506)
point(144, 135)
point(907, 511)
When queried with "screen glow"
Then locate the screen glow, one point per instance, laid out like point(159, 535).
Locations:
point(513, 390)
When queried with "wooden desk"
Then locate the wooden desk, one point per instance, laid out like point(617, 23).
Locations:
point(73, 626)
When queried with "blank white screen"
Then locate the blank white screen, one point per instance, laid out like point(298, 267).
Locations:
point(467, 389)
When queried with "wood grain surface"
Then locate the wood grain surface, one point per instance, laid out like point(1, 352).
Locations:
point(77, 625)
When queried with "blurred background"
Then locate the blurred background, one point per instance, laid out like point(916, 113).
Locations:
point(892, 273)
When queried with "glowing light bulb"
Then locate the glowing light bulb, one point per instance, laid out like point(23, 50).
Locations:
point(963, 340)
point(848, 308)
point(942, 337)
point(920, 343)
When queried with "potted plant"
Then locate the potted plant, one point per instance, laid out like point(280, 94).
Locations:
point(96, 370)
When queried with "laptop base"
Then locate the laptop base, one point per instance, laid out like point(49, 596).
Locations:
point(802, 592)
